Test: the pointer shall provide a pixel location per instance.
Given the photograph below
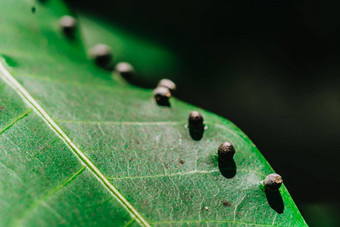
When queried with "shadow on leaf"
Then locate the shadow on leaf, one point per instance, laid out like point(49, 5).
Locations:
point(275, 200)
point(196, 133)
point(227, 167)
point(163, 102)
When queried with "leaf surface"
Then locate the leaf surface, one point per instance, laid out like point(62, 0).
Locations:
point(79, 147)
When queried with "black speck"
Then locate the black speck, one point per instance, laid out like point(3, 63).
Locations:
point(226, 203)
point(181, 161)
point(33, 9)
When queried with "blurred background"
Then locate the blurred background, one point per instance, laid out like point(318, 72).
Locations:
point(270, 66)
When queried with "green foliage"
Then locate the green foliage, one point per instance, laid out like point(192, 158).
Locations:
point(79, 147)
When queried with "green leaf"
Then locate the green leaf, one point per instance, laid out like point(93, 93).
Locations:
point(79, 147)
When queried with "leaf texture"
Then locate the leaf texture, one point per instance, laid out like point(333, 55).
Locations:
point(79, 147)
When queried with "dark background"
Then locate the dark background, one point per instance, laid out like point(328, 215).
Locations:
point(272, 67)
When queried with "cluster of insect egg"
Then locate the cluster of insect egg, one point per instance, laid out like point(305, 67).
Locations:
point(226, 152)
point(102, 55)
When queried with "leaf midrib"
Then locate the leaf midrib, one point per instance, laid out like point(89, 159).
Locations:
point(24, 94)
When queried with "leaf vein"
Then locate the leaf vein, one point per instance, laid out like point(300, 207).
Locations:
point(123, 122)
point(179, 174)
point(48, 195)
point(210, 221)
point(25, 114)
point(10, 80)
point(129, 223)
